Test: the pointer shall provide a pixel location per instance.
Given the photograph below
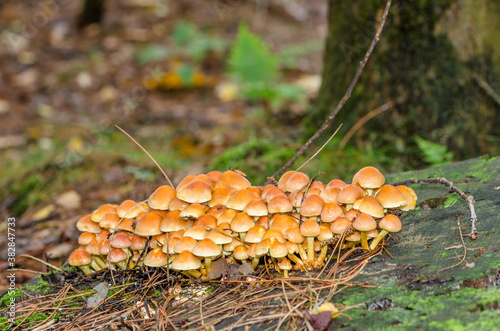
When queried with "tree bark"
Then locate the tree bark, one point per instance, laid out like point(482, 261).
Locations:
point(435, 60)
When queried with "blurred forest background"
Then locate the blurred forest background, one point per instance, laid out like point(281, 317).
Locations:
point(206, 85)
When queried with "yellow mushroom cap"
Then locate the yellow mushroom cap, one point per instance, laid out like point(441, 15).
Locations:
point(207, 221)
point(278, 249)
point(240, 252)
point(286, 176)
point(294, 235)
point(312, 206)
point(390, 223)
point(275, 235)
point(256, 208)
point(369, 177)
point(369, 205)
point(172, 222)
point(390, 197)
point(233, 179)
point(79, 257)
point(196, 191)
point(255, 234)
point(330, 195)
point(109, 221)
point(219, 236)
point(177, 204)
point(198, 232)
point(410, 196)
point(310, 228)
point(101, 211)
point(282, 223)
point(240, 199)
point(216, 210)
point(220, 196)
point(364, 222)
point(206, 248)
point(120, 240)
point(161, 197)
point(130, 209)
point(331, 212)
point(193, 211)
point(273, 193)
point(340, 225)
point(156, 258)
point(336, 183)
point(117, 255)
point(86, 224)
point(186, 261)
point(279, 204)
point(85, 238)
point(349, 194)
point(297, 181)
point(242, 223)
point(149, 225)
point(215, 175)
point(186, 243)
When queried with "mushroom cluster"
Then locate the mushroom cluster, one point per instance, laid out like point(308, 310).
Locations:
point(293, 223)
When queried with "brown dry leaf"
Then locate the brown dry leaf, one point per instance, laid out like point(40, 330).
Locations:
point(219, 269)
point(61, 250)
point(246, 269)
point(69, 200)
point(98, 298)
point(319, 321)
point(44, 212)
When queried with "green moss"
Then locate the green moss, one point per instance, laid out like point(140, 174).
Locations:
point(441, 309)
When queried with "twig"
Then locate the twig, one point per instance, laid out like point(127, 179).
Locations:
point(344, 99)
point(485, 86)
point(319, 150)
point(41, 261)
point(468, 198)
point(362, 121)
point(145, 151)
point(463, 245)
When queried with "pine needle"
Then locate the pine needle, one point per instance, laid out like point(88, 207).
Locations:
point(145, 151)
point(319, 150)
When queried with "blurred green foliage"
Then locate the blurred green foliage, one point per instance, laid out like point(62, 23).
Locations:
point(254, 67)
point(434, 153)
point(188, 42)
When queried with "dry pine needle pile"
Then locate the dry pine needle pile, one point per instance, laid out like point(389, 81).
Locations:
point(221, 215)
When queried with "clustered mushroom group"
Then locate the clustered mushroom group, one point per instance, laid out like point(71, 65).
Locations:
point(221, 215)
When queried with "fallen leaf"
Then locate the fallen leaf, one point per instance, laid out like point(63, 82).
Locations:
point(319, 321)
point(246, 269)
point(219, 269)
point(44, 212)
point(69, 200)
point(61, 250)
point(99, 297)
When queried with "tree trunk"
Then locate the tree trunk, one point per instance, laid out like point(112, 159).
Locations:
point(436, 60)
point(92, 12)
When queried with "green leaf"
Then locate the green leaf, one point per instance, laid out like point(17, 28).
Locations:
point(184, 32)
point(435, 154)
point(152, 53)
point(251, 60)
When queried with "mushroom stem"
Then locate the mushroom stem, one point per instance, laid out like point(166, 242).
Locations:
point(310, 249)
point(364, 240)
point(122, 265)
point(208, 263)
point(100, 262)
point(194, 273)
point(95, 266)
point(255, 262)
point(322, 256)
point(242, 236)
point(296, 260)
point(302, 253)
point(285, 273)
point(86, 270)
point(378, 238)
